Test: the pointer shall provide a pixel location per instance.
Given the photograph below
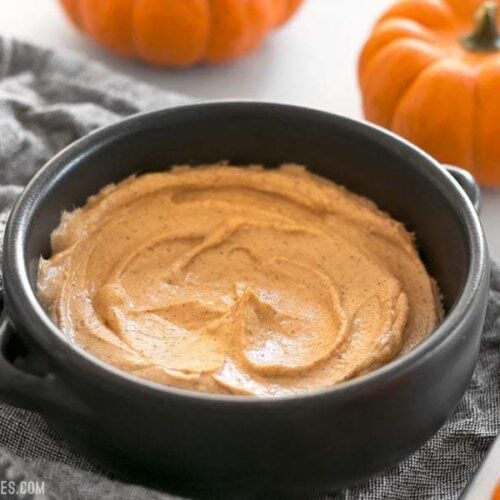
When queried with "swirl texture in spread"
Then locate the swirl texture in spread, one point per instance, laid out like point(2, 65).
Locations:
point(238, 280)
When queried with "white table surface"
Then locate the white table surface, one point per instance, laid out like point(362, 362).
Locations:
point(311, 61)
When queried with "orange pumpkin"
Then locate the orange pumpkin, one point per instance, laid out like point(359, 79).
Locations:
point(179, 32)
point(431, 73)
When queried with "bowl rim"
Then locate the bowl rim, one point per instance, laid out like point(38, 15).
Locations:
point(24, 308)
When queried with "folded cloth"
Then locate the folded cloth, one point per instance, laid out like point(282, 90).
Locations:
point(47, 100)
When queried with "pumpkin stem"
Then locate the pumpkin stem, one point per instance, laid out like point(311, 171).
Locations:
point(485, 37)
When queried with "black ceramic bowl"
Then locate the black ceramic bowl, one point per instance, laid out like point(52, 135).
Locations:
point(241, 447)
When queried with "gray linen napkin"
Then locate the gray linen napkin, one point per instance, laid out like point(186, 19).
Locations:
point(49, 99)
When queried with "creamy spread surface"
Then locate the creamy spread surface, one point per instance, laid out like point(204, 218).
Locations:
point(237, 280)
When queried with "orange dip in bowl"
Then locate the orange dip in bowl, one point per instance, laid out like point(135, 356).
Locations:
point(238, 280)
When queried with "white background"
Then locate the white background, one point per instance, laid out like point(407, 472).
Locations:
point(311, 61)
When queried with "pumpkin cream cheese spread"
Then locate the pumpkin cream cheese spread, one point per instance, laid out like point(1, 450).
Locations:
point(238, 280)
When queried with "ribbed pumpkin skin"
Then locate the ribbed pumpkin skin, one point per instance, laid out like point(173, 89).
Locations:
point(179, 32)
point(419, 80)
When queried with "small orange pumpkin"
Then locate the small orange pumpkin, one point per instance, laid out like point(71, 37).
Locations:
point(179, 32)
point(432, 74)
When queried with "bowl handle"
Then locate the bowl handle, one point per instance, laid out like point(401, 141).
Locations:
point(40, 392)
point(468, 184)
